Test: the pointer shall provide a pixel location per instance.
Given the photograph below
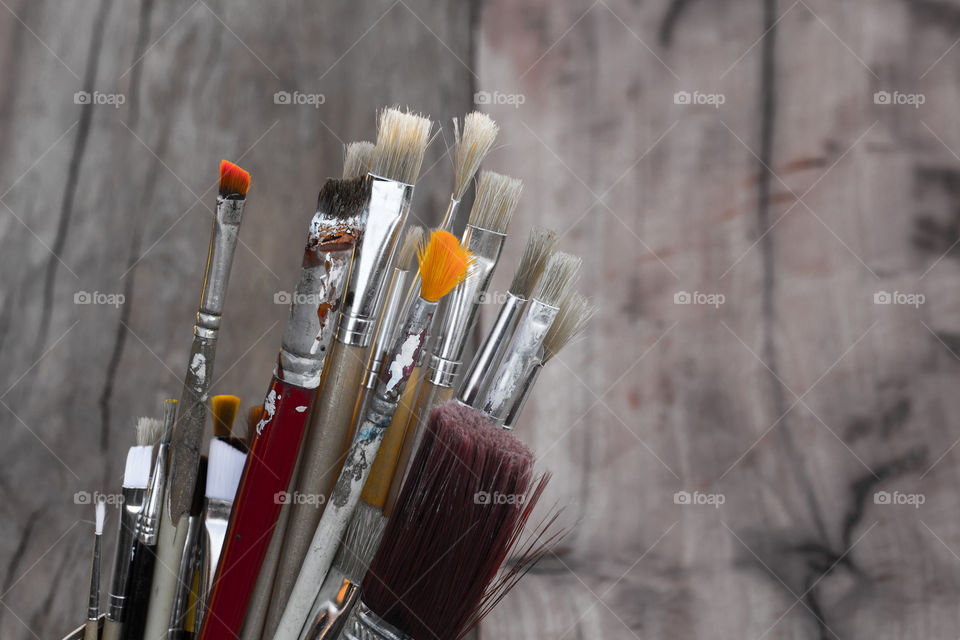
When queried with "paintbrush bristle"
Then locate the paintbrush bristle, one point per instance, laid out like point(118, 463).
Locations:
point(253, 417)
point(467, 497)
point(558, 276)
point(224, 411)
point(361, 541)
point(356, 159)
point(495, 202)
point(539, 248)
point(411, 243)
point(473, 144)
point(343, 198)
point(234, 181)
point(402, 140)
point(574, 315)
point(149, 431)
point(169, 419)
point(224, 468)
point(443, 265)
point(101, 511)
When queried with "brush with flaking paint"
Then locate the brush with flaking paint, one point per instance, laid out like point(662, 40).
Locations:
point(92, 627)
point(575, 313)
point(401, 142)
point(143, 556)
point(136, 479)
point(356, 160)
point(539, 248)
point(525, 348)
point(443, 265)
point(440, 568)
point(276, 441)
point(188, 434)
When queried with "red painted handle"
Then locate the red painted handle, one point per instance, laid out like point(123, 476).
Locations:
point(256, 507)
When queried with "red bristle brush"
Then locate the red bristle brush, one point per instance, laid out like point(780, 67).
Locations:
point(277, 435)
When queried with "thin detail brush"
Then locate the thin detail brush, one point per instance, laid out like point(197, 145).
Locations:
point(443, 265)
point(473, 144)
point(92, 626)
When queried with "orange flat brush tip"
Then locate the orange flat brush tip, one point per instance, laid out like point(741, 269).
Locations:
point(234, 181)
point(443, 265)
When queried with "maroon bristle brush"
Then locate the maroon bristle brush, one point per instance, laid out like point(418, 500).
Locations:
point(461, 513)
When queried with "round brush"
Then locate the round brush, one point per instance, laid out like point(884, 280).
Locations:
point(91, 629)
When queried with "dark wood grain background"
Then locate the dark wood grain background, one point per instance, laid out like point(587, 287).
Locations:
point(798, 199)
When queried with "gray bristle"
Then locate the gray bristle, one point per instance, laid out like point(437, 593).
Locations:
point(479, 132)
point(539, 248)
point(402, 140)
point(361, 541)
point(149, 431)
point(558, 276)
point(411, 242)
point(344, 197)
point(575, 313)
point(496, 200)
point(356, 159)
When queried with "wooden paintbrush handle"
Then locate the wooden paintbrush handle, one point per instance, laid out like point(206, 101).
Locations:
point(256, 506)
point(323, 454)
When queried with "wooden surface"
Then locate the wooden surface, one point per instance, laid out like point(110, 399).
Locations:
point(797, 199)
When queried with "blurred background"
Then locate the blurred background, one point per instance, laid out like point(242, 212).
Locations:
point(755, 439)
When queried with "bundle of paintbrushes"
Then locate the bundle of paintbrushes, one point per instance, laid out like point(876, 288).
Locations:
point(379, 492)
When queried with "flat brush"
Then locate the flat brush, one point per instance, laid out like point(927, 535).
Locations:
point(539, 248)
point(525, 348)
point(443, 265)
point(147, 530)
point(92, 626)
point(276, 441)
point(493, 208)
point(574, 315)
point(136, 479)
point(401, 142)
point(188, 435)
point(470, 491)
point(356, 160)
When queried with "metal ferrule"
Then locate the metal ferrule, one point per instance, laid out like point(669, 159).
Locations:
point(522, 354)
point(148, 520)
point(313, 308)
point(226, 226)
point(522, 394)
point(404, 352)
point(188, 563)
point(384, 213)
point(364, 624)
point(331, 611)
point(388, 321)
point(216, 517)
point(484, 364)
point(461, 306)
point(93, 606)
point(132, 503)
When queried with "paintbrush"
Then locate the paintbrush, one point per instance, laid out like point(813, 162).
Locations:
point(92, 627)
point(525, 348)
point(181, 612)
point(401, 142)
point(356, 159)
point(443, 265)
point(472, 145)
point(470, 492)
point(136, 479)
point(575, 312)
point(188, 435)
point(326, 262)
point(148, 523)
point(539, 248)
point(493, 207)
